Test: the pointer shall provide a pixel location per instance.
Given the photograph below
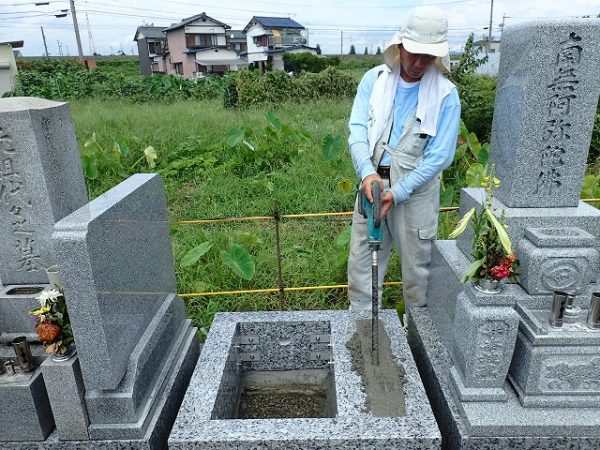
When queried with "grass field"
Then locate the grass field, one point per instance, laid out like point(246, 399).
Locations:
point(188, 130)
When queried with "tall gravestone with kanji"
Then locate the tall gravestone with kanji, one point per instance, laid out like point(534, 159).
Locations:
point(41, 181)
point(502, 375)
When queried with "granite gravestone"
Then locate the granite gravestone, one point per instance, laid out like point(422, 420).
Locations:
point(136, 349)
point(41, 182)
point(498, 374)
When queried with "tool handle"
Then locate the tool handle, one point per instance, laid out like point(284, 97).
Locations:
point(376, 193)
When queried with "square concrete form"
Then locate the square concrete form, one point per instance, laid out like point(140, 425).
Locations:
point(291, 343)
point(41, 181)
point(556, 367)
point(546, 102)
point(492, 425)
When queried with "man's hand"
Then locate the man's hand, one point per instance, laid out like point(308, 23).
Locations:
point(366, 185)
point(387, 203)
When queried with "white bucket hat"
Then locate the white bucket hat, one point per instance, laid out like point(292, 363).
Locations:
point(424, 31)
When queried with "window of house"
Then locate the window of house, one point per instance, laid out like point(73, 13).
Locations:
point(201, 40)
point(152, 47)
point(178, 68)
point(261, 41)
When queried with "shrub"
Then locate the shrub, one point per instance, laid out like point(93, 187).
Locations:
point(307, 62)
point(250, 88)
point(477, 96)
point(67, 79)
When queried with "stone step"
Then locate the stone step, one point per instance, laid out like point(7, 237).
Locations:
point(162, 400)
point(144, 368)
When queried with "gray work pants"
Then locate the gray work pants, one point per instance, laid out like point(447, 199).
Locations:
point(412, 226)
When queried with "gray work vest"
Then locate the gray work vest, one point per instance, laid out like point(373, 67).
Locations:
point(408, 153)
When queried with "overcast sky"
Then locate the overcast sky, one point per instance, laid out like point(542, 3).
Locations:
point(330, 23)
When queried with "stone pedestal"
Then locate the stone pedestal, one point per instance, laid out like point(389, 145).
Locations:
point(65, 390)
point(556, 368)
point(485, 330)
point(558, 259)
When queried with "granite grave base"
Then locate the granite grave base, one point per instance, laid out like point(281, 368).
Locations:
point(492, 425)
point(240, 343)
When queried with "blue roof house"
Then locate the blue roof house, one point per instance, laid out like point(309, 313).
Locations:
point(268, 38)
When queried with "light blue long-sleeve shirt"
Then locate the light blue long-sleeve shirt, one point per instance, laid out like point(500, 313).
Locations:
point(439, 152)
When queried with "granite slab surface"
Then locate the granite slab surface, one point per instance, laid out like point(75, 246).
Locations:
point(353, 427)
point(493, 425)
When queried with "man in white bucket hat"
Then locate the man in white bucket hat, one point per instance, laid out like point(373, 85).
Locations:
point(403, 130)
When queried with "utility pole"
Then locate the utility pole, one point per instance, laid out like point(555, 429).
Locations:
point(44, 38)
point(341, 42)
point(90, 38)
point(489, 43)
point(504, 17)
point(76, 26)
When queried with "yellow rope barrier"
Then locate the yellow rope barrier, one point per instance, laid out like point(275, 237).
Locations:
point(274, 290)
point(303, 216)
point(291, 216)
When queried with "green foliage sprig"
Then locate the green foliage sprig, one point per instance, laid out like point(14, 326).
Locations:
point(278, 144)
point(491, 246)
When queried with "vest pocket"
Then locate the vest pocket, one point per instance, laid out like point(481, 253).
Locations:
point(428, 233)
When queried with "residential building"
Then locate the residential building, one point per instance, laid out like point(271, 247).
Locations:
point(236, 40)
point(198, 46)
point(268, 38)
point(494, 46)
point(8, 65)
point(152, 43)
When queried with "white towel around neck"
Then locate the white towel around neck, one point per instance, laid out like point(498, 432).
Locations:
point(433, 90)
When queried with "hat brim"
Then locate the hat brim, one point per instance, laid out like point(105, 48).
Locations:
point(439, 49)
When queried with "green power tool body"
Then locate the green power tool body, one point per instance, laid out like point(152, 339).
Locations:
point(372, 212)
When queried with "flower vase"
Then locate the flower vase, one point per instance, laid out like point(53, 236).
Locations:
point(488, 286)
point(71, 351)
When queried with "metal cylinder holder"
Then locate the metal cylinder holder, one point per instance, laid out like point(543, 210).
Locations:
point(560, 301)
point(593, 319)
point(23, 352)
point(9, 368)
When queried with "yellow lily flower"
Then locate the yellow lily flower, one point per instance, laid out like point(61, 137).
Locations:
point(502, 234)
point(462, 224)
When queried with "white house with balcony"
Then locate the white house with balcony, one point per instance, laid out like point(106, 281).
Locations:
point(268, 38)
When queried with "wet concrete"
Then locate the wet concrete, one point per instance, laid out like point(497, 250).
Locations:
point(383, 383)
